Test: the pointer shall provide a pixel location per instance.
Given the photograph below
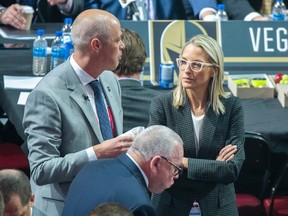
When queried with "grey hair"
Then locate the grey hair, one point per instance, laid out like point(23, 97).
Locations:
point(86, 28)
point(157, 140)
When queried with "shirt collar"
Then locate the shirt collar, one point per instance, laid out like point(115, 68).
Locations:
point(144, 175)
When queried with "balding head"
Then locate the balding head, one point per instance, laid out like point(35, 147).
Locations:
point(15, 182)
point(90, 24)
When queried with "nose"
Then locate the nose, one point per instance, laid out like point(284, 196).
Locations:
point(122, 45)
point(176, 176)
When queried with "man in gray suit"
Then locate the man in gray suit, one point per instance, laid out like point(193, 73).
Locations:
point(136, 99)
point(60, 119)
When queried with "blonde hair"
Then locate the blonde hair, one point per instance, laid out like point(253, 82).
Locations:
point(215, 53)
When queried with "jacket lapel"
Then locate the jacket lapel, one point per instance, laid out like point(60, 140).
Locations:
point(186, 128)
point(78, 94)
point(209, 123)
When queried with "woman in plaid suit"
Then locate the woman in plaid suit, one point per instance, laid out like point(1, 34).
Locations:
point(211, 123)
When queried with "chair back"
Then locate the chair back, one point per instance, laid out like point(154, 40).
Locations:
point(254, 177)
point(277, 203)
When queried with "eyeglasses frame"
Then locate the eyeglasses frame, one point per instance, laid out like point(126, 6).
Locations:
point(201, 63)
point(178, 170)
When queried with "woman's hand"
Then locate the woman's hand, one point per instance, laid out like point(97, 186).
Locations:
point(227, 153)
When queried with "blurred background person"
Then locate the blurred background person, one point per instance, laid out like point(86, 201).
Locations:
point(210, 122)
point(17, 194)
point(152, 163)
point(200, 9)
point(44, 11)
point(156, 9)
point(110, 209)
point(136, 99)
point(249, 10)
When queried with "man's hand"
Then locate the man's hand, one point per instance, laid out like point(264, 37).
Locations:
point(55, 2)
point(113, 147)
point(13, 16)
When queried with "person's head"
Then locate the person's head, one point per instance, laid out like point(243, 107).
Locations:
point(133, 56)
point(159, 152)
point(199, 77)
point(110, 209)
point(16, 191)
point(96, 35)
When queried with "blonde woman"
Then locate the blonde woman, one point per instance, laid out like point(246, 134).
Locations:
point(210, 122)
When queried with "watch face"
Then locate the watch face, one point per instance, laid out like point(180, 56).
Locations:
point(2, 10)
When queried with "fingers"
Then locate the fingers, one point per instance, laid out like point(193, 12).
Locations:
point(224, 149)
point(52, 2)
point(55, 2)
point(227, 153)
point(13, 16)
point(113, 147)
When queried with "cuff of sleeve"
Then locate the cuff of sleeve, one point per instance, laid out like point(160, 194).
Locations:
point(91, 154)
point(205, 10)
point(209, 18)
point(251, 16)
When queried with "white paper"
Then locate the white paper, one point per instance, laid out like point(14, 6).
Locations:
point(21, 82)
point(23, 98)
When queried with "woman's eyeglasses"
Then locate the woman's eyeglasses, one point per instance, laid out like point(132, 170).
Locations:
point(194, 65)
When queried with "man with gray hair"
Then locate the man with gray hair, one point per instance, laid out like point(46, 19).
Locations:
point(152, 163)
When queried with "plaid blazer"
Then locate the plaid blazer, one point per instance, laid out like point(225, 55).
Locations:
point(206, 180)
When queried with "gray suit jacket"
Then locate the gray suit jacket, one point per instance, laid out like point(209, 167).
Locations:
point(208, 181)
point(60, 125)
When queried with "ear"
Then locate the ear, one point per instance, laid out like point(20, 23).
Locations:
point(155, 163)
point(96, 43)
point(214, 72)
point(31, 201)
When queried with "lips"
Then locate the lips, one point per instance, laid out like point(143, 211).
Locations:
point(187, 79)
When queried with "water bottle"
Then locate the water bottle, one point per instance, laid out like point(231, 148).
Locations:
point(57, 51)
point(40, 54)
point(166, 75)
point(67, 39)
point(195, 210)
point(279, 11)
point(221, 14)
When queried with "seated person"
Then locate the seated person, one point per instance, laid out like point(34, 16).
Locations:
point(248, 10)
point(45, 11)
point(17, 194)
point(135, 98)
point(110, 209)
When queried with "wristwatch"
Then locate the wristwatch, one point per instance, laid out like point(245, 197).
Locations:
point(2, 10)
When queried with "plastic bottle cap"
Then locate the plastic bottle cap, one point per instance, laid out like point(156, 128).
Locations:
point(40, 32)
point(221, 6)
point(58, 33)
point(68, 20)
